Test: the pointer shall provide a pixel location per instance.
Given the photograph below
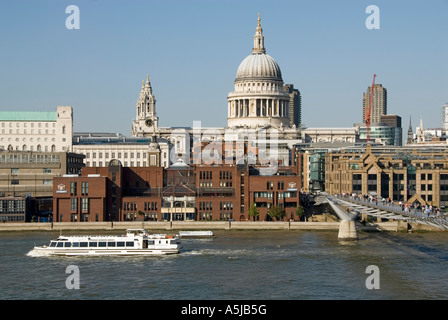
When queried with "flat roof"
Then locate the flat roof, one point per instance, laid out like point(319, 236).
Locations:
point(28, 116)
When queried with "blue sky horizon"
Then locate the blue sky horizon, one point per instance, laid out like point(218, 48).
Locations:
point(192, 49)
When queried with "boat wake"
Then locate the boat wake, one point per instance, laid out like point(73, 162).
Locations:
point(237, 253)
point(38, 253)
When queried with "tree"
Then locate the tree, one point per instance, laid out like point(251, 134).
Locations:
point(300, 212)
point(253, 211)
point(277, 212)
point(141, 213)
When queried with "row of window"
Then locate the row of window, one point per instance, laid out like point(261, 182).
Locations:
point(12, 218)
point(12, 206)
point(125, 164)
point(208, 205)
point(26, 158)
point(270, 185)
point(93, 244)
point(31, 124)
point(106, 155)
point(400, 176)
point(45, 182)
point(25, 131)
point(206, 175)
point(147, 216)
point(225, 175)
point(30, 148)
point(74, 188)
point(84, 204)
point(281, 195)
point(17, 170)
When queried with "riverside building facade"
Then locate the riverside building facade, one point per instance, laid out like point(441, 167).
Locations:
point(412, 175)
point(181, 192)
point(26, 182)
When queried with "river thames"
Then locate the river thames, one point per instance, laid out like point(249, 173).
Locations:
point(238, 265)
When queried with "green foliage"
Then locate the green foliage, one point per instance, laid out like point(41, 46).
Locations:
point(277, 212)
point(253, 211)
point(300, 212)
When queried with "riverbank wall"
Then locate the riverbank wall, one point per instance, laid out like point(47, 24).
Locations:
point(209, 225)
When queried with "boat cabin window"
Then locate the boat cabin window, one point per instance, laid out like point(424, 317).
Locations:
point(101, 244)
point(93, 244)
point(129, 244)
point(67, 244)
point(75, 244)
point(111, 244)
point(83, 244)
point(150, 242)
point(60, 244)
point(52, 244)
point(120, 244)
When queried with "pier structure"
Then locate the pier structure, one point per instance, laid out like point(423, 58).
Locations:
point(347, 226)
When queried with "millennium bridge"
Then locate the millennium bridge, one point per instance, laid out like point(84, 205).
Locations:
point(349, 208)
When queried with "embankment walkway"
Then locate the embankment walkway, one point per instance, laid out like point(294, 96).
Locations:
point(195, 225)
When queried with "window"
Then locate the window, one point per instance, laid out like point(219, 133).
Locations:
point(47, 170)
point(14, 182)
point(85, 204)
point(73, 204)
point(84, 188)
point(73, 188)
point(14, 171)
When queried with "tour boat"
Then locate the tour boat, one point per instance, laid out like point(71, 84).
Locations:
point(135, 242)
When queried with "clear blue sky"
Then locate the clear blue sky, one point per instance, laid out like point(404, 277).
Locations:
point(192, 49)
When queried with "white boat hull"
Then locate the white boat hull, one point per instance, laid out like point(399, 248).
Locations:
point(136, 242)
point(41, 251)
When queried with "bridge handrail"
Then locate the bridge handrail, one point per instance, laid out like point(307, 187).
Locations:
point(438, 220)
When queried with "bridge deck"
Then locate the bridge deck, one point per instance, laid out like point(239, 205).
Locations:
point(387, 211)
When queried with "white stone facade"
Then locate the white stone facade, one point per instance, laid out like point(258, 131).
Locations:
point(37, 131)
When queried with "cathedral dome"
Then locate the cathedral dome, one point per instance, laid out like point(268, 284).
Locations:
point(258, 66)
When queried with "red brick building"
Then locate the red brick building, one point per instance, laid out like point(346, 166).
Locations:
point(181, 192)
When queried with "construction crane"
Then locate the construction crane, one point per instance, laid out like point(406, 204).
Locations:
point(369, 110)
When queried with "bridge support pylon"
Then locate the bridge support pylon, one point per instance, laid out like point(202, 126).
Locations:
point(347, 230)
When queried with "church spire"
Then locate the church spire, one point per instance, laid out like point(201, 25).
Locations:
point(410, 139)
point(258, 39)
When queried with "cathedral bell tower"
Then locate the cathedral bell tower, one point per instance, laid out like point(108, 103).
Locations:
point(146, 121)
